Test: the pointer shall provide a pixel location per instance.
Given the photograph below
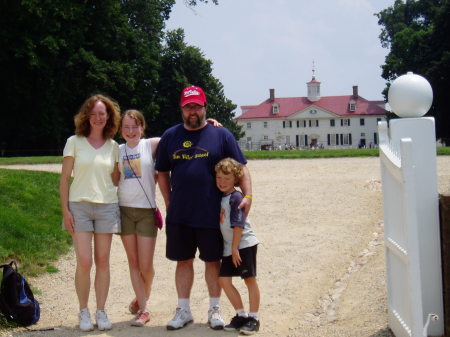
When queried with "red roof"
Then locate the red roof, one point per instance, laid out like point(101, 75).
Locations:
point(338, 105)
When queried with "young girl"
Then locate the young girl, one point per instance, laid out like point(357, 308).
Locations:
point(240, 248)
point(89, 205)
point(137, 202)
point(137, 208)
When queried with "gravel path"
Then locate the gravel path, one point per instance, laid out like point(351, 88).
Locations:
point(320, 263)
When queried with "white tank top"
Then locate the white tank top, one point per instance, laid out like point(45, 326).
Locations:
point(130, 191)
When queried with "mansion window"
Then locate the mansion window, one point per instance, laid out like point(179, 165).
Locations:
point(331, 122)
point(332, 139)
point(361, 121)
point(346, 139)
point(266, 137)
point(287, 124)
point(339, 139)
point(313, 123)
point(345, 122)
point(303, 140)
point(275, 108)
point(265, 124)
point(249, 125)
point(352, 105)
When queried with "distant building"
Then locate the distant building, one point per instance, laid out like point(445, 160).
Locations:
point(330, 122)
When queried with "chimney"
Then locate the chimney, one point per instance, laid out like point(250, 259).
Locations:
point(355, 91)
point(272, 94)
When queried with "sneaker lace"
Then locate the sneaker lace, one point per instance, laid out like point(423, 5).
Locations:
point(101, 315)
point(215, 313)
point(84, 315)
point(178, 314)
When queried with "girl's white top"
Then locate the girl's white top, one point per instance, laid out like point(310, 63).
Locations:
point(141, 160)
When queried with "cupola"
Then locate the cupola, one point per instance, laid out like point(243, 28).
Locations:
point(313, 88)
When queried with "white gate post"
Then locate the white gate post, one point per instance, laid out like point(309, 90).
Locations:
point(413, 255)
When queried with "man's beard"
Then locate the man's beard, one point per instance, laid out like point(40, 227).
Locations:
point(194, 123)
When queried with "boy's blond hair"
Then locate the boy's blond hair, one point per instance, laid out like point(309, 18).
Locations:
point(230, 166)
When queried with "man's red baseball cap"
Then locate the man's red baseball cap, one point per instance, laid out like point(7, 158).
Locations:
point(192, 94)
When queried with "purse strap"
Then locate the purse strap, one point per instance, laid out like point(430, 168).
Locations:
point(134, 173)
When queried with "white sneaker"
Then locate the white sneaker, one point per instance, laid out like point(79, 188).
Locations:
point(103, 322)
point(84, 318)
point(215, 321)
point(182, 318)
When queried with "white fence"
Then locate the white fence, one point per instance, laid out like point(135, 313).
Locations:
point(411, 217)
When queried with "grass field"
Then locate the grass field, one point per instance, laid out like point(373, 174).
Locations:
point(277, 154)
point(30, 220)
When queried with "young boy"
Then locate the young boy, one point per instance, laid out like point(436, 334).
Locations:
point(240, 246)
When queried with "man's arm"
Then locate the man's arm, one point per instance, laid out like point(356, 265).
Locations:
point(246, 188)
point(164, 186)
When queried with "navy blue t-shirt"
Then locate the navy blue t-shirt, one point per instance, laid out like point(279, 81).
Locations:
point(191, 157)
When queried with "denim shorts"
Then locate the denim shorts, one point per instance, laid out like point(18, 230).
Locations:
point(95, 217)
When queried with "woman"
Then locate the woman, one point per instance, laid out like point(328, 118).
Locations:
point(90, 204)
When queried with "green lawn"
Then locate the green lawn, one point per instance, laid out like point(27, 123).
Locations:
point(31, 160)
point(277, 154)
point(30, 220)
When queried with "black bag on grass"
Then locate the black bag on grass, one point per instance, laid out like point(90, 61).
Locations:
point(17, 302)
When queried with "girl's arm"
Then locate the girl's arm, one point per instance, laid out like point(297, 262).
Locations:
point(64, 184)
point(154, 142)
point(164, 186)
point(237, 234)
point(214, 122)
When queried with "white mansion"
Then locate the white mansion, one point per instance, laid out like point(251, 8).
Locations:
point(333, 122)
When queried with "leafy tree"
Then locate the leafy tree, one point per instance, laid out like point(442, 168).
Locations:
point(55, 53)
point(417, 32)
point(183, 65)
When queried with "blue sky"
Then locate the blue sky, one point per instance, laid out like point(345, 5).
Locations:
point(256, 45)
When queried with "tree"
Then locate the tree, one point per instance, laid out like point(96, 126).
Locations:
point(55, 53)
point(417, 32)
point(183, 65)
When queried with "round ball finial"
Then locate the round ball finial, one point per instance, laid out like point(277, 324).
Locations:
point(410, 95)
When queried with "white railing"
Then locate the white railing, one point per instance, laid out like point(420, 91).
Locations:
point(412, 239)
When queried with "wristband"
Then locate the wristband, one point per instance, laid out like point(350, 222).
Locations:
point(249, 197)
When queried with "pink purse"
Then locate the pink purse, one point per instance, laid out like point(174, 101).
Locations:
point(159, 222)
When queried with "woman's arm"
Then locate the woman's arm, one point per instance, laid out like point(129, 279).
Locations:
point(115, 175)
point(64, 184)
